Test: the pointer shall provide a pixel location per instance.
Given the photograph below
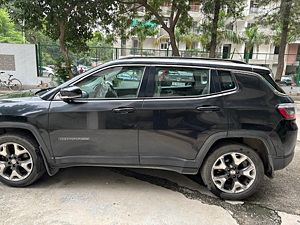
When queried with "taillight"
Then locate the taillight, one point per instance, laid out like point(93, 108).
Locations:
point(287, 110)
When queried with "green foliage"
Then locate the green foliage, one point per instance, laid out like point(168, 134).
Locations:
point(190, 38)
point(283, 17)
point(61, 70)
point(178, 15)
point(222, 33)
point(252, 37)
point(100, 50)
point(8, 33)
point(293, 35)
point(233, 8)
point(71, 22)
point(142, 29)
point(274, 17)
point(77, 17)
point(216, 12)
point(20, 95)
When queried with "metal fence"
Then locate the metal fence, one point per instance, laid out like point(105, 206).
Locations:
point(93, 56)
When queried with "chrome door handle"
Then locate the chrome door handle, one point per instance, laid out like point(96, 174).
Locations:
point(208, 108)
point(124, 110)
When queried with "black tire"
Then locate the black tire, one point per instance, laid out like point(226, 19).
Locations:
point(233, 171)
point(21, 162)
point(15, 85)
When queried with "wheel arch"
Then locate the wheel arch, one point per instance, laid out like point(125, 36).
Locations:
point(260, 142)
point(33, 132)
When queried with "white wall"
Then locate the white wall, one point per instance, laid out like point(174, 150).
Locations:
point(25, 60)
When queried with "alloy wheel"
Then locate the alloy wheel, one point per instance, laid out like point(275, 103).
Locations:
point(16, 162)
point(233, 172)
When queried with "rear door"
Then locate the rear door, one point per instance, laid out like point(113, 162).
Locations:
point(186, 108)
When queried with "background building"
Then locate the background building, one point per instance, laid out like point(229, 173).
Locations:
point(265, 54)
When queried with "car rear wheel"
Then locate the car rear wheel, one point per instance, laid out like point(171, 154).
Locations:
point(20, 160)
point(233, 171)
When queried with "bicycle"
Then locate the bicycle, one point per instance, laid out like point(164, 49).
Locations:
point(12, 83)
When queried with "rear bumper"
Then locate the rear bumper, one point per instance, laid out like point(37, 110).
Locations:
point(284, 139)
point(282, 162)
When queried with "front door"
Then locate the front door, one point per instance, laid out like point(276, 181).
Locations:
point(101, 127)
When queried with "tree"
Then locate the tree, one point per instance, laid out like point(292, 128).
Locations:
point(223, 33)
point(71, 22)
point(190, 38)
point(8, 33)
point(285, 12)
point(213, 9)
point(285, 16)
point(252, 37)
point(177, 15)
point(142, 29)
point(101, 47)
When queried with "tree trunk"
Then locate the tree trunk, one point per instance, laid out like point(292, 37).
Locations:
point(285, 11)
point(173, 21)
point(141, 48)
point(174, 46)
point(246, 56)
point(214, 32)
point(63, 49)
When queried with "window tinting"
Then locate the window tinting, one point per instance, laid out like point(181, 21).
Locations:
point(116, 82)
point(226, 80)
point(173, 81)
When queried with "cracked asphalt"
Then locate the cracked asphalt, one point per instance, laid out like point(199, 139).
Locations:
point(94, 195)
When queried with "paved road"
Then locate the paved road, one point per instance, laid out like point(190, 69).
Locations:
point(130, 196)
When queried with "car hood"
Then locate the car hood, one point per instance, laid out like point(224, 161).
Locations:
point(25, 106)
point(21, 99)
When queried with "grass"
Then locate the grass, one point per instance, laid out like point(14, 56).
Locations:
point(19, 95)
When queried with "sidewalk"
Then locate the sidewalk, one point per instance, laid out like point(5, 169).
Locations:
point(293, 91)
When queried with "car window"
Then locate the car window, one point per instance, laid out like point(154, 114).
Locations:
point(115, 82)
point(176, 81)
point(226, 80)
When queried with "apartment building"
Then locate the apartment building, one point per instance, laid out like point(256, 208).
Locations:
point(264, 54)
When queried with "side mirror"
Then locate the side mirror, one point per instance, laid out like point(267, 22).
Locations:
point(70, 93)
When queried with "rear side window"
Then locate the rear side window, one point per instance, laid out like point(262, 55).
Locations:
point(269, 79)
point(226, 80)
point(178, 81)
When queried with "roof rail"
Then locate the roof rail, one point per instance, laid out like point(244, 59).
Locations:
point(178, 57)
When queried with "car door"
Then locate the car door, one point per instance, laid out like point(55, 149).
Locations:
point(102, 126)
point(180, 117)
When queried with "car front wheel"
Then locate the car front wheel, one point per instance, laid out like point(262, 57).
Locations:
point(20, 160)
point(233, 171)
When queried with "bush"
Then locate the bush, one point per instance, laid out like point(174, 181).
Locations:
point(61, 71)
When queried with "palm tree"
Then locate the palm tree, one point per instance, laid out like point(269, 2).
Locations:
point(252, 37)
point(222, 33)
point(143, 29)
point(188, 38)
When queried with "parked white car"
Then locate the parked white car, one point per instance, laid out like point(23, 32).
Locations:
point(48, 72)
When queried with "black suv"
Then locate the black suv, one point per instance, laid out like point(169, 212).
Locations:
point(226, 121)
